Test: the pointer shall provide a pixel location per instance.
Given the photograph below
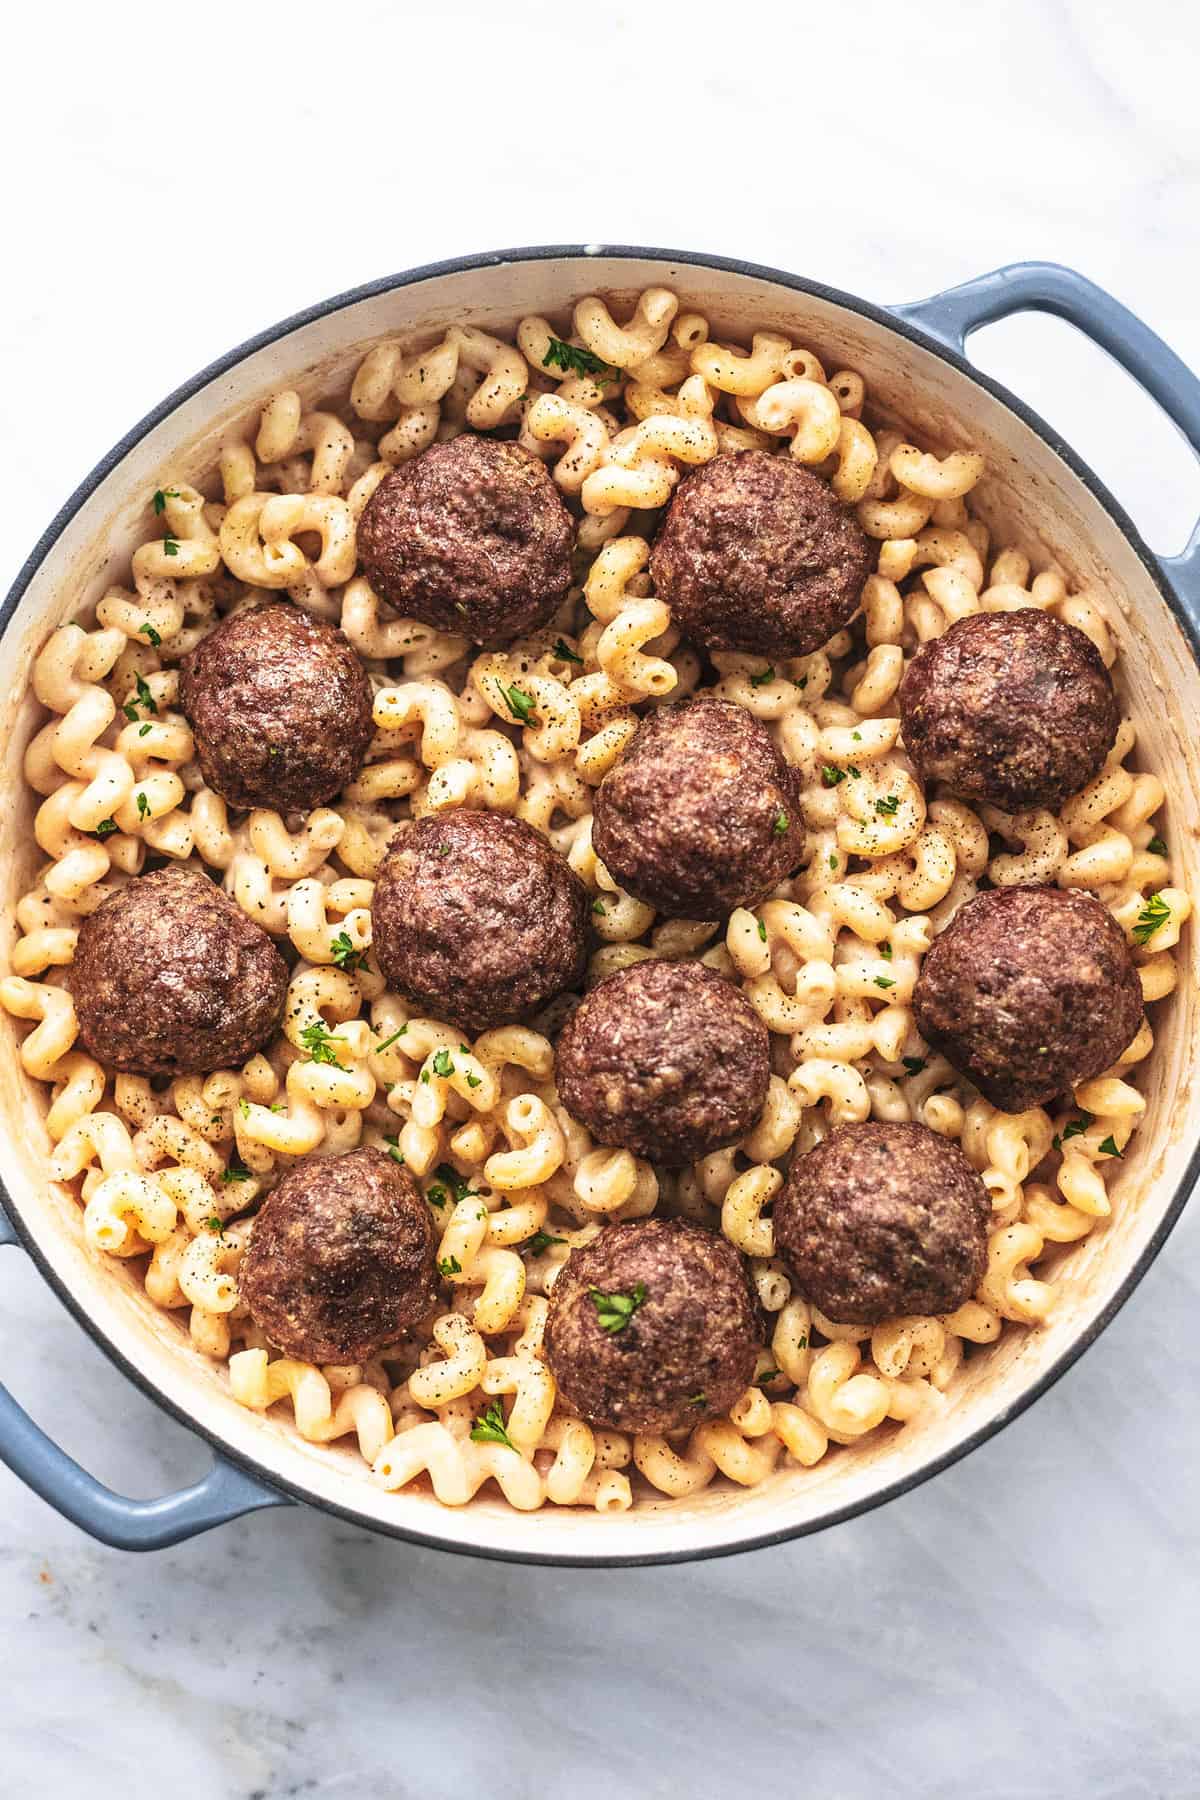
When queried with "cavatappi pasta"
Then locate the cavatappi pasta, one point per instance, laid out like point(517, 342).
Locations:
point(168, 1173)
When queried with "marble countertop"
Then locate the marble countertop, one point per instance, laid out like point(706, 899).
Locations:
point(1024, 1626)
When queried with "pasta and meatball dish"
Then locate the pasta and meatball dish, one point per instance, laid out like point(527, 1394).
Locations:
point(594, 932)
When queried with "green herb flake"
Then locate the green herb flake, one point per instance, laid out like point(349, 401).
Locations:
point(831, 775)
point(833, 862)
point(542, 1240)
point(762, 930)
point(1152, 917)
point(146, 630)
point(449, 1265)
point(802, 683)
point(763, 677)
point(474, 1081)
point(105, 828)
point(1156, 847)
point(443, 1063)
point(857, 736)
point(346, 954)
point(216, 1225)
point(767, 1376)
point(614, 1311)
point(780, 824)
point(143, 729)
point(853, 769)
point(599, 909)
point(160, 502)
point(1109, 1148)
point(319, 1041)
point(913, 1064)
point(887, 807)
point(394, 1150)
point(378, 1049)
point(489, 1427)
point(884, 981)
point(436, 1196)
point(575, 361)
point(885, 950)
point(236, 1171)
point(520, 704)
point(698, 1400)
point(170, 546)
point(459, 1185)
point(564, 653)
point(143, 806)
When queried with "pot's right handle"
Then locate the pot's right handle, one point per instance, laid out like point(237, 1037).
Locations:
point(1049, 287)
point(224, 1493)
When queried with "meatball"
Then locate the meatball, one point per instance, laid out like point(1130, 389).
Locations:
point(471, 537)
point(477, 920)
point(881, 1220)
point(1029, 991)
point(1013, 708)
point(653, 1327)
point(171, 978)
point(280, 708)
point(666, 1059)
point(756, 554)
point(340, 1261)
point(701, 814)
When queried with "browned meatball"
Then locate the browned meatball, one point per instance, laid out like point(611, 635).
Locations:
point(471, 537)
point(340, 1261)
point(652, 1327)
point(1029, 991)
point(171, 978)
point(702, 813)
point(666, 1059)
point(880, 1220)
point(756, 554)
point(280, 708)
point(1013, 708)
point(478, 920)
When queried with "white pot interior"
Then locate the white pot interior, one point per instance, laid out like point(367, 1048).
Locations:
point(1029, 495)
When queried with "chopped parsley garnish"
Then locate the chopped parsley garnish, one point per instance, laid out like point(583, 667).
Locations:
point(105, 828)
point(443, 1063)
point(161, 496)
point(1109, 1148)
point(170, 546)
point(802, 683)
point(143, 806)
point(449, 1265)
point(884, 981)
point(762, 930)
point(599, 908)
point(394, 1150)
point(853, 769)
point(767, 1376)
point(147, 630)
point(885, 950)
point(833, 861)
point(763, 677)
point(913, 1064)
point(144, 698)
point(1154, 914)
point(378, 1049)
point(520, 704)
point(237, 1171)
point(474, 1081)
point(143, 729)
point(780, 824)
point(448, 1178)
point(887, 807)
point(857, 736)
point(319, 1041)
point(1156, 847)
point(698, 1400)
point(1073, 1128)
point(216, 1225)
point(614, 1311)
point(346, 954)
point(489, 1427)
point(831, 775)
point(565, 653)
point(541, 1240)
point(574, 361)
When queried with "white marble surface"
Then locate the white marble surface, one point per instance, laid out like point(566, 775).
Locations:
point(1026, 1625)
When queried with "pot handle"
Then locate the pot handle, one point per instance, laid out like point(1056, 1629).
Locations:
point(1049, 287)
point(224, 1493)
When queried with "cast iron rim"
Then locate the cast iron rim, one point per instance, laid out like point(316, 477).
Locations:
point(879, 315)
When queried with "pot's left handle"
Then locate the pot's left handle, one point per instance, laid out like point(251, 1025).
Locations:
point(1049, 287)
point(224, 1493)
